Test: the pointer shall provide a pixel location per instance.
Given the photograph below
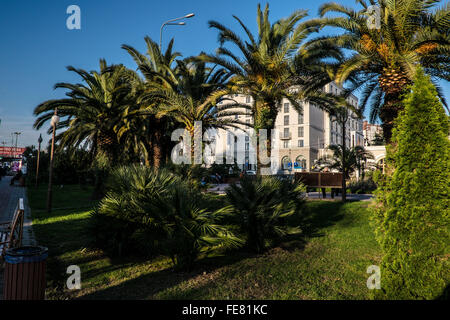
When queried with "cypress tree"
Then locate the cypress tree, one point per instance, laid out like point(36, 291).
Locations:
point(413, 212)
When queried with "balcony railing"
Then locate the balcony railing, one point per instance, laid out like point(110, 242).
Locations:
point(284, 136)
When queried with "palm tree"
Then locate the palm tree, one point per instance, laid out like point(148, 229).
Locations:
point(362, 155)
point(94, 114)
point(268, 70)
point(93, 111)
point(196, 99)
point(345, 160)
point(385, 60)
point(341, 113)
point(158, 68)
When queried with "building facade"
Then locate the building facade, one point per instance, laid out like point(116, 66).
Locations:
point(299, 140)
point(370, 132)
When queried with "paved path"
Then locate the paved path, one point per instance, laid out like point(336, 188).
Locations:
point(220, 189)
point(351, 197)
point(9, 197)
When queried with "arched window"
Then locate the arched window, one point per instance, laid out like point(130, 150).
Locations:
point(301, 162)
point(284, 163)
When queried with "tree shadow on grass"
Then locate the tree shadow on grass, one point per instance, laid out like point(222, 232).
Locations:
point(316, 216)
point(146, 286)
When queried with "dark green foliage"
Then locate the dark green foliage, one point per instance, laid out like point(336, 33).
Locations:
point(362, 186)
point(413, 212)
point(162, 214)
point(69, 167)
point(261, 207)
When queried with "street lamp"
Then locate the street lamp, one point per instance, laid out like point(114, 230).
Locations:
point(170, 22)
point(38, 157)
point(17, 136)
point(53, 123)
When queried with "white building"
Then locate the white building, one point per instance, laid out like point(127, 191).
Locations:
point(301, 138)
point(370, 131)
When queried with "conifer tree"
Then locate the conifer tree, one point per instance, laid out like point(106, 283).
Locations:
point(413, 211)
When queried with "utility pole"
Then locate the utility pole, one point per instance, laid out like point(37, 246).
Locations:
point(38, 157)
point(54, 122)
point(17, 137)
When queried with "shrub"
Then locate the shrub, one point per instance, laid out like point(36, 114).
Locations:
point(163, 210)
point(412, 215)
point(261, 207)
point(362, 186)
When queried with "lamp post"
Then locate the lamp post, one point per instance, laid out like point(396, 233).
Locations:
point(53, 123)
point(170, 22)
point(38, 157)
point(17, 136)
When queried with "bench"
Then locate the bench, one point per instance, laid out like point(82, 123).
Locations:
point(11, 231)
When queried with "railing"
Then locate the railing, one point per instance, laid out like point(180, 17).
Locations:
point(285, 136)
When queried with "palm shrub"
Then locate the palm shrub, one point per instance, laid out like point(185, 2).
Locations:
point(125, 213)
point(194, 231)
point(164, 212)
point(412, 216)
point(362, 186)
point(262, 206)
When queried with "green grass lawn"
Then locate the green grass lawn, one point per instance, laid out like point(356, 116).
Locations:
point(329, 263)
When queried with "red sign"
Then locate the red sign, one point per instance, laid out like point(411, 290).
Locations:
point(11, 152)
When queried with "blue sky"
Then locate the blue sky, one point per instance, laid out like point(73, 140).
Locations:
point(37, 46)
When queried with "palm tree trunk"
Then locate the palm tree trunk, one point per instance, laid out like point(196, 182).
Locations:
point(344, 164)
point(156, 148)
point(267, 149)
point(389, 112)
point(264, 119)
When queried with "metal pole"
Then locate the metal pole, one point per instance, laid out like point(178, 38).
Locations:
point(38, 158)
point(49, 191)
point(160, 36)
point(190, 15)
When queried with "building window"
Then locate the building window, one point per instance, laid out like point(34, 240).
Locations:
point(286, 132)
point(301, 162)
point(247, 99)
point(286, 120)
point(300, 143)
point(286, 107)
point(246, 146)
point(285, 163)
point(300, 118)
point(300, 132)
point(286, 144)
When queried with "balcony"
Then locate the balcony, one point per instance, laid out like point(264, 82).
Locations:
point(285, 136)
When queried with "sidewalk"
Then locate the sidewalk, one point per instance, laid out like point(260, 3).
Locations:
point(350, 196)
point(9, 197)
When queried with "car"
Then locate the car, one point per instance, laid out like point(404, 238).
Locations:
point(251, 172)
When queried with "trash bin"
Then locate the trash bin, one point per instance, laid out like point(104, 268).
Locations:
point(25, 273)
